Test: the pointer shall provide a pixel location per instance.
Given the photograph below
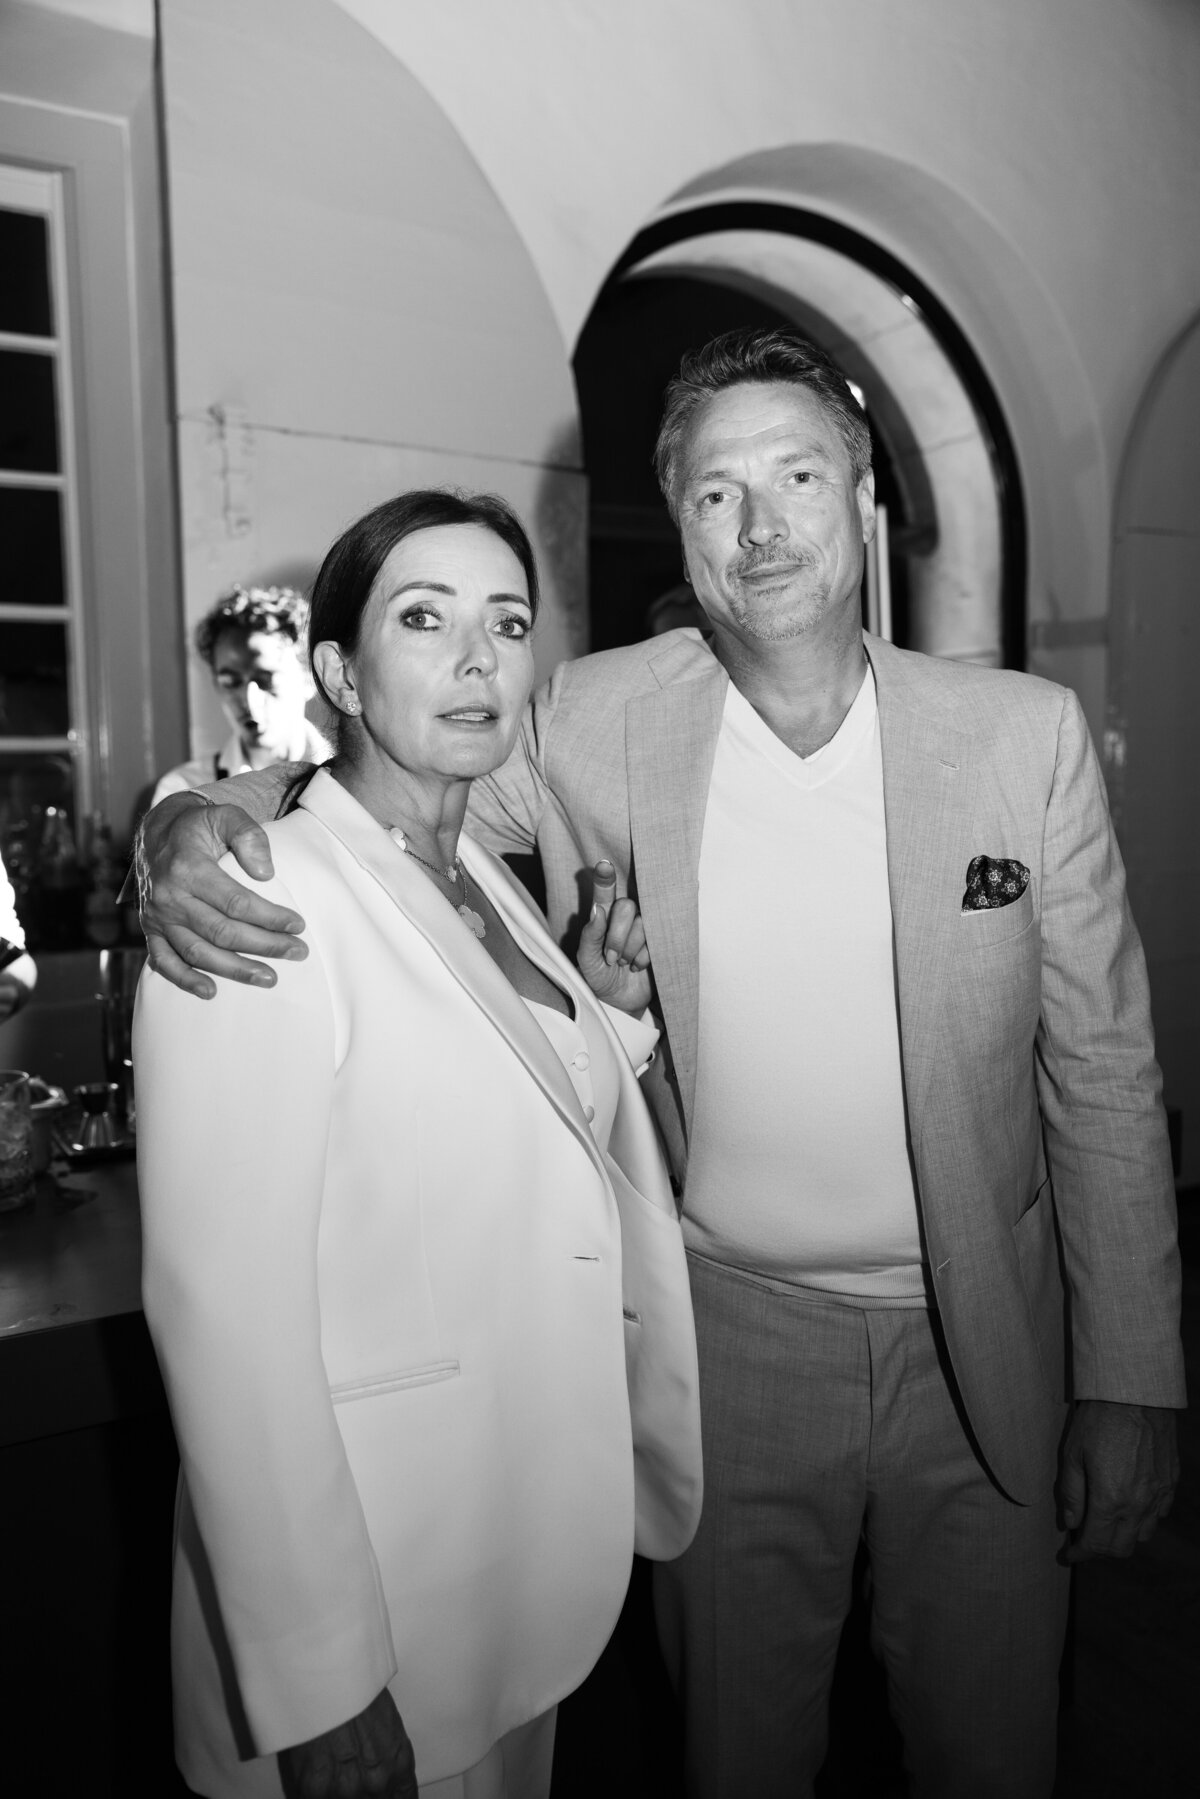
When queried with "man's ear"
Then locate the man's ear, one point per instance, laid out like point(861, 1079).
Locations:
point(864, 493)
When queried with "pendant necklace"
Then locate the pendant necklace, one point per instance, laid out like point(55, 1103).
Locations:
point(453, 873)
point(469, 916)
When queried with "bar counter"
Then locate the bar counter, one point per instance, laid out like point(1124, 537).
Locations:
point(74, 1350)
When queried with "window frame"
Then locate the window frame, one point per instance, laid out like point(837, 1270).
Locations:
point(41, 192)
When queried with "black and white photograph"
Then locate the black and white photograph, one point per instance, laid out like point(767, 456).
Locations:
point(599, 852)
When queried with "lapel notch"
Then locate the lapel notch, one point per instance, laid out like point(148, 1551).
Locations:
point(463, 957)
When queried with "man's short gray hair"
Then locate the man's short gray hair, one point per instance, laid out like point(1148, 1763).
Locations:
point(738, 357)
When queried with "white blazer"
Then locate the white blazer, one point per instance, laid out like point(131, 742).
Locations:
point(428, 1343)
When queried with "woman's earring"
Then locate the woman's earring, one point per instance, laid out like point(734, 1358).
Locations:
point(353, 705)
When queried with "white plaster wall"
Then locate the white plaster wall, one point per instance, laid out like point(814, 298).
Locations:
point(134, 16)
point(1071, 124)
point(354, 312)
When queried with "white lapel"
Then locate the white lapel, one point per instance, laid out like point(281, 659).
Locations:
point(633, 1143)
point(462, 955)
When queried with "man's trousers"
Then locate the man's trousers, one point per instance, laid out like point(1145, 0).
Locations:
point(823, 1424)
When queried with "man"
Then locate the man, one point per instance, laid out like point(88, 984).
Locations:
point(254, 641)
point(908, 1083)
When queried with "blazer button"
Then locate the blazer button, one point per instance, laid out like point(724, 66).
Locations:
point(589, 1113)
point(582, 1059)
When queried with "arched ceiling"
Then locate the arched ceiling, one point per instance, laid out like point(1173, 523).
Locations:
point(1055, 122)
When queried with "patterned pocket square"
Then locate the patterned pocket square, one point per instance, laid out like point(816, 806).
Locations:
point(993, 881)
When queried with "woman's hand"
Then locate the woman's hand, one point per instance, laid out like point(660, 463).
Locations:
point(613, 958)
point(194, 915)
point(368, 1755)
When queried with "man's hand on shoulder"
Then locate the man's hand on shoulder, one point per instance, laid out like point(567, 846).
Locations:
point(195, 916)
point(1120, 1467)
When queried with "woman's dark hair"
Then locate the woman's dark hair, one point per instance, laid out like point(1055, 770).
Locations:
point(351, 567)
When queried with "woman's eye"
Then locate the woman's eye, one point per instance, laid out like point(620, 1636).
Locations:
point(420, 618)
point(512, 625)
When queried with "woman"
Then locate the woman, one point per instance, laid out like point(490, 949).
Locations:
point(254, 643)
point(412, 1265)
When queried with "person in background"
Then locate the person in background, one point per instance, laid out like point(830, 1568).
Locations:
point(18, 970)
point(254, 641)
point(412, 1264)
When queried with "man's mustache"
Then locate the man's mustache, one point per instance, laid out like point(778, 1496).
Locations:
point(755, 562)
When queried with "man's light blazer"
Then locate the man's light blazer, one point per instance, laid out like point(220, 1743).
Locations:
point(1032, 1094)
point(405, 1304)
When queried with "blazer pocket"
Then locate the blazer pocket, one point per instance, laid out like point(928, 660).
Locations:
point(1002, 924)
point(343, 1391)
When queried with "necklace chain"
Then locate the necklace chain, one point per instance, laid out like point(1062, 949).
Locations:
point(452, 870)
point(453, 873)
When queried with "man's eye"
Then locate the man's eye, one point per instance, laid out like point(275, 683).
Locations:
point(800, 476)
point(512, 625)
point(708, 501)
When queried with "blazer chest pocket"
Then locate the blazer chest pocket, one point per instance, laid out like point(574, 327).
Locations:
point(990, 929)
point(341, 1392)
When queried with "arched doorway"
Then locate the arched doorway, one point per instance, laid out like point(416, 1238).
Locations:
point(945, 466)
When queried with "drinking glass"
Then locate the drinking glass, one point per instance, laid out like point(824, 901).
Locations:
point(16, 1140)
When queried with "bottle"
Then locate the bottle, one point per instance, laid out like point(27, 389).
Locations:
point(20, 865)
point(59, 883)
point(101, 916)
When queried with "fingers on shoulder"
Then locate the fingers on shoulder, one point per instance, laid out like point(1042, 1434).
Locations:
point(173, 968)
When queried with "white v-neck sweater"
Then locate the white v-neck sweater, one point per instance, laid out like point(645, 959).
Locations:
point(799, 1168)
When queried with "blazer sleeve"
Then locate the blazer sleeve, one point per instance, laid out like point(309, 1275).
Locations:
point(234, 1108)
point(1099, 1090)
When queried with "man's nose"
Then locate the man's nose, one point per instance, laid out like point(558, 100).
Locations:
point(256, 697)
point(762, 520)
